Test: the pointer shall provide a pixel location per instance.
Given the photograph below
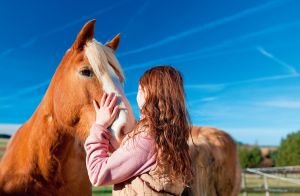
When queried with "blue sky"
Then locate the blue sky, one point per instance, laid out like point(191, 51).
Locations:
point(240, 59)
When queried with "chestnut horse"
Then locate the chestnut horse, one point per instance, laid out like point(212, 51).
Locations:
point(46, 155)
point(215, 162)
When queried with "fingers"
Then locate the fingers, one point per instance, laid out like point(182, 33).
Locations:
point(113, 102)
point(109, 98)
point(103, 98)
point(115, 111)
point(107, 101)
point(96, 106)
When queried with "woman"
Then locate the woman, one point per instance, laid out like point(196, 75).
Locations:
point(154, 158)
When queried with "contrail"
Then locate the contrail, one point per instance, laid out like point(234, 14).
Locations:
point(287, 66)
point(134, 16)
point(82, 19)
point(206, 87)
point(290, 104)
point(202, 53)
point(33, 41)
point(205, 27)
point(220, 86)
point(26, 90)
point(70, 24)
point(205, 99)
point(6, 52)
point(268, 78)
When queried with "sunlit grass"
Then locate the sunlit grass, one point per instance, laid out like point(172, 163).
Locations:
point(103, 191)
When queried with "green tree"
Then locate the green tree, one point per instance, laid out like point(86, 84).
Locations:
point(273, 156)
point(289, 150)
point(249, 157)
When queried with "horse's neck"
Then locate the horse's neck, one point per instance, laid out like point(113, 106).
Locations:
point(40, 150)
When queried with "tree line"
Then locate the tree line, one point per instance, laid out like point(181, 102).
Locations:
point(287, 154)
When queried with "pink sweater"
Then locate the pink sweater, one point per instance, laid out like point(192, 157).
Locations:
point(136, 156)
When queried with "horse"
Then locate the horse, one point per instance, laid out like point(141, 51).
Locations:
point(46, 155)
point(215, 163)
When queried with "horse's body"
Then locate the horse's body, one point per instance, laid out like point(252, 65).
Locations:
point(46, 155)
point(43, 161)
point(215, 163)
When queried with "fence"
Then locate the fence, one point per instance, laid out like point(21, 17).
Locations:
point(271, 180)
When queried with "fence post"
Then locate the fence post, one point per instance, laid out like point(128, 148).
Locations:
point(266, 186)
point(244, 184)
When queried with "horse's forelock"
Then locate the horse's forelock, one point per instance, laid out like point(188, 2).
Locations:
point(101, 58)
point(108, 71)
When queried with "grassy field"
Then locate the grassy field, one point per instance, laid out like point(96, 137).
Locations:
point(3, 143)
point(280, 187)
point(103, 191)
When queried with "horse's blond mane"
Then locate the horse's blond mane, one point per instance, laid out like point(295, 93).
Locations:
point(101, 58)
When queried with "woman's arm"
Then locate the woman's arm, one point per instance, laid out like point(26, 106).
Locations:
point(135, 157)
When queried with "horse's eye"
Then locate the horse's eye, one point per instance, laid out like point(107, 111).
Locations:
point(86, 72)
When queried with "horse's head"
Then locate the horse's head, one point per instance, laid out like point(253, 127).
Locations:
point(87, 70)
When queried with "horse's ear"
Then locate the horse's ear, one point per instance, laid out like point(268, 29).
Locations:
point(85, 34)
point(114, 43)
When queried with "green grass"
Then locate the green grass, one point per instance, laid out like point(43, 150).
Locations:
point(3, 142)
point(257, 182)
point(102, 191)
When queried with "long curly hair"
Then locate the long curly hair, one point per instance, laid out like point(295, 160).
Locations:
point(166, 119)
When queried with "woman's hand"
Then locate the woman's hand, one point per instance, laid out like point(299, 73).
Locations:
point(107, 111)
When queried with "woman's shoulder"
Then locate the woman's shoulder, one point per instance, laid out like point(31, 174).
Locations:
point(139, 138)
point(141, 132)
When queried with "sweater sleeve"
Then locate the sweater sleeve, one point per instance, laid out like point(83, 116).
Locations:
point(135, 157)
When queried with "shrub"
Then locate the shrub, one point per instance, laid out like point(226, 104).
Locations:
point(288, 153)
point(249, 156)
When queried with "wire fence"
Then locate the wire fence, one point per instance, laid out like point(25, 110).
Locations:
point(285, 180)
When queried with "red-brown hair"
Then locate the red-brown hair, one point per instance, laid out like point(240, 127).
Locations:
point(166, 118)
